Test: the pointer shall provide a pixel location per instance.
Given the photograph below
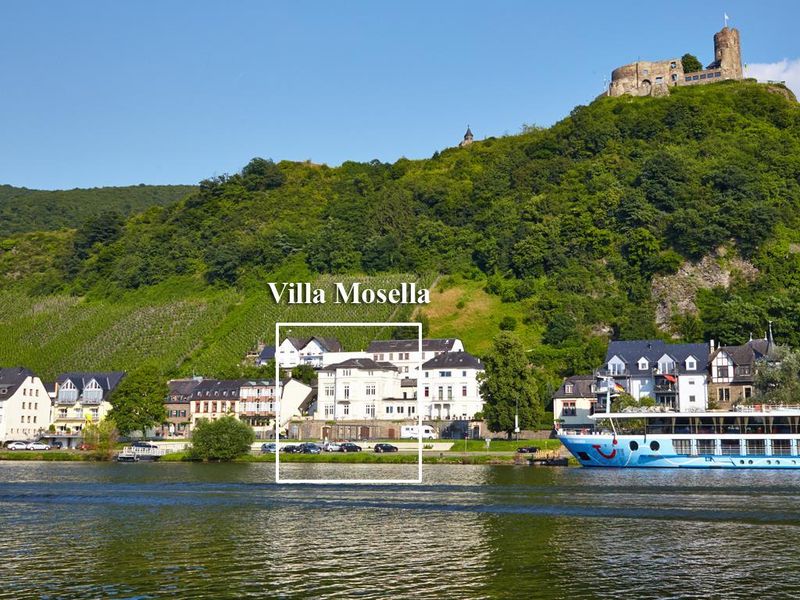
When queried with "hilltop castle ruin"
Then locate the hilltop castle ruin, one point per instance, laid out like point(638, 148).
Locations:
point(646, 78)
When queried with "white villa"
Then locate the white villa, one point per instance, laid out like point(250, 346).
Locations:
point(24, 405)
point(362, 388)
point(450, 386)
point(295, 351)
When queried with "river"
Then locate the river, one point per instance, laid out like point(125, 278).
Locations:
point(83, 530)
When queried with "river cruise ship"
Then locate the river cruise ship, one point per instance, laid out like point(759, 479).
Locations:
point(752, 437)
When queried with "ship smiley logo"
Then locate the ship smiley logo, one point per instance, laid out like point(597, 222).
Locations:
point(603, 454)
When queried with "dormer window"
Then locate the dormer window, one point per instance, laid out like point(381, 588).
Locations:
point(643, 364)
point(691, 365)
point(568, 388)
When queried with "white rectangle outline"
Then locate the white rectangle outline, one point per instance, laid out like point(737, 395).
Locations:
point(279, 392)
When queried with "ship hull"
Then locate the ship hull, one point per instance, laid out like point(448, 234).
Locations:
point(657, 451)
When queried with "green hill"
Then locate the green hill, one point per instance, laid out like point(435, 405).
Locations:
point(23, 210)
point(567, 234)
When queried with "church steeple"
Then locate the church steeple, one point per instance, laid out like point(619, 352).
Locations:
point(467, 138)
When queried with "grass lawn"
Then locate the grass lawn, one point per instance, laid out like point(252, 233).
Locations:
point(45, 455)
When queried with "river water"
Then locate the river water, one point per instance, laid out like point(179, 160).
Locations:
point(82, 530)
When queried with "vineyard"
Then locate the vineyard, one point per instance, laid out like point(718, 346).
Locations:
point(195, 333)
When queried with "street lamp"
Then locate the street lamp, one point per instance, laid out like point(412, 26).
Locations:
point(516, 417)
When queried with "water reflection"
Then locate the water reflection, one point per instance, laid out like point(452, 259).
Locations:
point(220, 531)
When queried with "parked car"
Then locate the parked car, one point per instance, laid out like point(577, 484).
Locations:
point(310, 448)
point(385, 448)
point(141, 444)
point(38, 446)
point(349, 447)
point(528, 450)
point(56, 445)
point(17, 446)
point(85, 446)
point(331, 447)
point(290, 449)
point(268, 448)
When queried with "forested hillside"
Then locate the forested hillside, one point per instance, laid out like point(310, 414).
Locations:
point(23, 210)
point(557, 233)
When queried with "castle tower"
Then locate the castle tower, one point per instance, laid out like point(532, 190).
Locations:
point(467, 138)
point(728, 53)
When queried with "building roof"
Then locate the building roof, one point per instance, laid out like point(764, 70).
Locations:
point(267, 353)
point(581, 387)
point(327, 344)
point(453, 360)
point(11, 378)
point(107, 380)
point(746, 354)
point(361, 363)
point(408, 382)
point(182, 388)
point(632, 350)
point(428, 345)
point(213, 388)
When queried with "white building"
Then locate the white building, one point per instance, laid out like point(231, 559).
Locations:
point(574, 402)
point(362, 388)
point(675, 375)
point(24, 405)
point(82, 398)
point(404, 354)
point(295, 351)
point(450, 386)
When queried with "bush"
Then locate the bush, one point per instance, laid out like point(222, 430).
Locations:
point(508, 323)
point(221, 440)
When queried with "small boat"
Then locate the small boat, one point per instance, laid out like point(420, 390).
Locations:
point(127, 458)
point(750, 437)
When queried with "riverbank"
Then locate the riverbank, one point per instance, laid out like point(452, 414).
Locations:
point(49, 455)
point(397, 458)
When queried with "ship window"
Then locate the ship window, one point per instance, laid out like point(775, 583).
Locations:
point(654, 446)
point(583, 456)
point(756, 447)
point(682, 446)
point(706, 447)
point(730, 447)
point(781, 447)
point(634, 445)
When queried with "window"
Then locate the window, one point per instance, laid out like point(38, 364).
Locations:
point(441, 393)
point(702, 75)
point(345, 372)
point(615, 368)
point(724, 394)
point(463, 373)
point(643, 364)
point(691, 365)
point(781, 447)
point(729, 447)
point(463, 391)
point(692, 398)
point(449, 392)
point(400, 410)
point(329, 410)
point(659, 79)
point(370, 391)
point(389, 410)
point(706, 446)
point(329, 391)
point(717, 74)
point(568, 409)
point(722, 371)
point(370, 410)
point(345, 409)
point(673, 64)
point(682, 446)
point(412, 409)
point(347, 392)
point(568, 388)
point(694, 77)
point(645, 71)
point(757, 447)
point(748, 392)
point(674, 77)
point(427, 392)
point(744, 370)
point(688, 79)
point(391, 357)
point(445, 373)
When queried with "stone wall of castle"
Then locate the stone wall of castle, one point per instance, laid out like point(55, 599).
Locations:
point(654, 78)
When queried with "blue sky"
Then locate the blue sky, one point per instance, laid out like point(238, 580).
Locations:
point(118, 93)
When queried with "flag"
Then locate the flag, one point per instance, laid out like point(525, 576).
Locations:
point(618, 388)
point(670, 378)
point(726, 16)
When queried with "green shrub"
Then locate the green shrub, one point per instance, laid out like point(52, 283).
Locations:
point(222, 440)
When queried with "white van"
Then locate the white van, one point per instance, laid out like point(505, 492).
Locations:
point(410, 431)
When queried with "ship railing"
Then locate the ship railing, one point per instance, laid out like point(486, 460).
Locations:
point(765, 407)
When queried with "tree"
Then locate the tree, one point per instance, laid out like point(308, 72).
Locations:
point(690, 63)
point(262, 174)
point(304, 373)
point(221, 440)
point(138, 401)
point(508, 386)
point(777, 380)
point(101, 438)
